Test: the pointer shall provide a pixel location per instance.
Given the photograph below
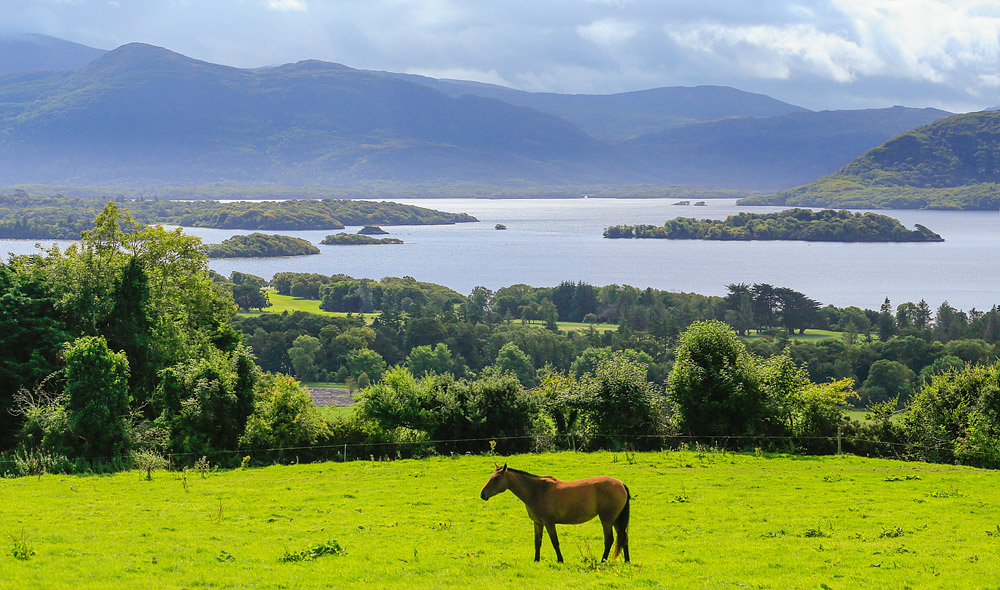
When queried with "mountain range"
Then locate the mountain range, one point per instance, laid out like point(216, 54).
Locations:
point(143, 115)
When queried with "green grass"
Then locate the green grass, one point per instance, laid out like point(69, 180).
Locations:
point(810, 335)
point(331, 412)
point(699, 520)
point(583, 326)
point(283, 303)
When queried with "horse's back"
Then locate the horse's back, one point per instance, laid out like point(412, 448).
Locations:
point(582, 499)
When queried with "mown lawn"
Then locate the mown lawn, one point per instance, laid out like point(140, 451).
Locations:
point(699, 520)
point(282, 303)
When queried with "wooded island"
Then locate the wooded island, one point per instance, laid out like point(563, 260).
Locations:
point(60, 217)
point(792, 224)
point(258, 245)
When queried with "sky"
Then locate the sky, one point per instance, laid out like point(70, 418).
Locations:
point(830, 54)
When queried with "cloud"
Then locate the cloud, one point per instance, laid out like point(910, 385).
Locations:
point(831, 52)
point(608, 31)
point(287, 5)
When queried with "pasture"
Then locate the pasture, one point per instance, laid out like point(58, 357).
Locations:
point(698, 520)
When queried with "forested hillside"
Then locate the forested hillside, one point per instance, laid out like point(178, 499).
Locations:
point(953, 163)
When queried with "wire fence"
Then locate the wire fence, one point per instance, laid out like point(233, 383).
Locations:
point(37, 463)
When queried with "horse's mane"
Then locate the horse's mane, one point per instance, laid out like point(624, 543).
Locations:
point(529, 474)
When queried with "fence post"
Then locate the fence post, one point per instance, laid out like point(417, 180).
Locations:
point(838, 440)
point(345, 452)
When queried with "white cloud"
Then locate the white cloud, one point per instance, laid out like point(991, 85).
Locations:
point(287, 5)
point(608, 31)
point(780, 52)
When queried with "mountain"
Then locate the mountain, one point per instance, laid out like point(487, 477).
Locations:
point(952, 163)
point(143, 113)
point(769, 153)
point(27, 52)
point(626, 115)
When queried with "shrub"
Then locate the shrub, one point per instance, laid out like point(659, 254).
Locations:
point(715, 384)
point(957, 417)
point(205, 402)
point(284, 416)
point(622, 406)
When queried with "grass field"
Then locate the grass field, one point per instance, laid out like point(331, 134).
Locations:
point(282, 303)
point(810, 335)
point(699, 520)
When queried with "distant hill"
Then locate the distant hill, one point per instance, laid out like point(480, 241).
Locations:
point(626, 115)
point(143, 113)
point(769, 153)
point(27, 52)
point(143, 116)
point(953, 163)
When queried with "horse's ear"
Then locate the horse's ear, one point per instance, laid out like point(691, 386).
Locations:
point(504, 467)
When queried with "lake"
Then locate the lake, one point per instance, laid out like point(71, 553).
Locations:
point(552, 240)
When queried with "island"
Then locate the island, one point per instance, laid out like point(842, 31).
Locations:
point(792, 224)
point(499, 226)
point(24, 215)
point(258, 245)
point(372, 230)
point(345, 239)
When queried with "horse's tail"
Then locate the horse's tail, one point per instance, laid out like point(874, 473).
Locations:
point(621, 525)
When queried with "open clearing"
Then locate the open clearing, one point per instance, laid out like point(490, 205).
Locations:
point(699, 520)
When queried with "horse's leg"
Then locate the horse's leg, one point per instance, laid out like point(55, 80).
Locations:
point(551, 528)
point(622, 532)
point(538, 540)
point(609, 537)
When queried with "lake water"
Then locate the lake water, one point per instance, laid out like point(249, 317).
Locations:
point(551, 240)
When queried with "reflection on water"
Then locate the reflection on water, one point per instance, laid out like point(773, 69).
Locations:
point(552, 240)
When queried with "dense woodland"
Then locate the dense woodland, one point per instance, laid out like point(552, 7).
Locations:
point(258, 244)
point(31, 216)
point(791, 224)
point(125, 350)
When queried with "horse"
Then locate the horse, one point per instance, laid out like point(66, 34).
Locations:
point(550, 502)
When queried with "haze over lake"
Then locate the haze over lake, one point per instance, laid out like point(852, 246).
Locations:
point(554, 240)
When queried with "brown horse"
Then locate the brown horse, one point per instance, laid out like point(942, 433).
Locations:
point(551, 502)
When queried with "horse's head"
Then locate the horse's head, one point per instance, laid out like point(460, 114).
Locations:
point(496, 484)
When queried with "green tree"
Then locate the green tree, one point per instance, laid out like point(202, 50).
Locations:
point(303, 355)
point(512, 359)
point(887, 380)
point(623, 406)
point(887, 326)
point(715, 386)
point(956, 417)
point(424, 360)
point(284, 415)
point(366, 361)
point(97, 396)
point(205, 402)
point(33, 336)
